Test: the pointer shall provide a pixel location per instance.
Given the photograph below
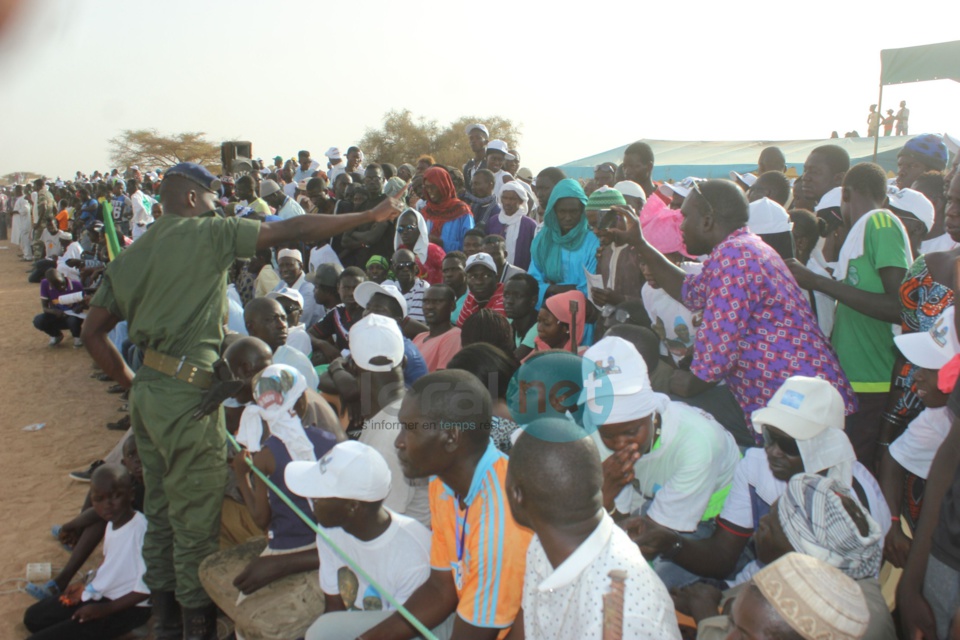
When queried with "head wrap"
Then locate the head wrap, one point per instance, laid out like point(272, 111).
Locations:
point(816, 523)
point(423, 242)
point(409, 167)
point(383, 262)
point(511, 224)
point(604, 198)
point(815, 599)
point(450, 207)
point(549, 245)
point(929, 149)
point(559, 306)
point(662, 231)
point(276, 390)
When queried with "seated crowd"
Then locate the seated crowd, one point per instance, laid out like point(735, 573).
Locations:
point(534, 406)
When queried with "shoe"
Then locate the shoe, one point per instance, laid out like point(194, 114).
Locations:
point(120, 425)
point(200, 624)
point(102, 377)
point(125, 395)
point(167, 617)
point(55, 340)
point(77, 343)
point(43, 591)
point(115, 389)
point(84, 476)
point(124, 408)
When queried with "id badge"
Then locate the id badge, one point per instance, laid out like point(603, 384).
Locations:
point(458, 574)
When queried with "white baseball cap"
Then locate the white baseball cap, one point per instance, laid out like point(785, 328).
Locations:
point(289, 253)
point(376, 337)
point(682, 188)
point(333, 153)
point(288, 293)
point(630, 188)
point(618, 361)
point(351, 470)
point(482, 259)
point(767, 216)
point(472, 127)
point(501, 146)
point(915, 203)
point(746, 178)
point(368, 289)
point(934, 348)
point(802, 408)
point(830, 199)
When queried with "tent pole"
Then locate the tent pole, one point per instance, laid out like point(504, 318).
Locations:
point(876, 135)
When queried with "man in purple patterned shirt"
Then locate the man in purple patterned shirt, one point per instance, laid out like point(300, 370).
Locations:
point(757, 329)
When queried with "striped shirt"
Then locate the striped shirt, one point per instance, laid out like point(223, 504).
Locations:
point(414, 298)
point(482, 545)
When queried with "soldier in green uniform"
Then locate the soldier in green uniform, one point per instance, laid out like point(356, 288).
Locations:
point(170, 286)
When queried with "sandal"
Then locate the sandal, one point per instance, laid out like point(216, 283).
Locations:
point(115, 389)
point(41, 592)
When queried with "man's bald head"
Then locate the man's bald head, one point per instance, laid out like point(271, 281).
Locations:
point(246, 358)
point(458, 399)
point(266, 319)
point(772, 159)
point(540, 464)
point(772, 184)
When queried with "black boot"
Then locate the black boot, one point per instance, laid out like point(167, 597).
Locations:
point(200, 624)
point(167, 619)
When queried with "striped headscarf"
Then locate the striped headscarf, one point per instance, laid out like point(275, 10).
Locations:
point(816, 523)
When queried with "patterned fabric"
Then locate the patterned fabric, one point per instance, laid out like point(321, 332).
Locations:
point(758, 328)
point(922, 300)
point(471, 306)
point(246, 283)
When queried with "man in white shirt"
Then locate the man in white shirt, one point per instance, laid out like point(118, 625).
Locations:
point(412, 287)
point(665, 463)
point(23, 209)
point(290, 264)
point(285, 206)
point(307, 166)
point(141, 205)
point(376, 351)
point(577, 546)
point(348, 487)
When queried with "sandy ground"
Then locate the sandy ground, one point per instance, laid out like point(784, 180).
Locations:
point(50, 385)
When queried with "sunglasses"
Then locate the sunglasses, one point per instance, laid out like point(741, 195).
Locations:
point(696, 188)
point(785, 443)
point(406, 227)
point(400, 266)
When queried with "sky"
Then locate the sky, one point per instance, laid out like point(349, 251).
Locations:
point(578, 78)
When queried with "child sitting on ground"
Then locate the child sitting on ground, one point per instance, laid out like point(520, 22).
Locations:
point(82, 534)
point(114, 601)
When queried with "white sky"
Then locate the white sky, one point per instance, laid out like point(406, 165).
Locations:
point(579, 78)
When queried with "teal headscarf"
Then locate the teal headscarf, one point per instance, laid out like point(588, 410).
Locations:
point(550, 243)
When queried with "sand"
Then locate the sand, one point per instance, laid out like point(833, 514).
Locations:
point(53, 386)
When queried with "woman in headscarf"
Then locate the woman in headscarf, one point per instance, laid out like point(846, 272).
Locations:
point(565, 249)
point(412, 234)
point(555, 322)
point(287, 560)
point(513, 224)
point(448, 217)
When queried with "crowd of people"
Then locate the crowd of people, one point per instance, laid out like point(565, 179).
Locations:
point(517, 404)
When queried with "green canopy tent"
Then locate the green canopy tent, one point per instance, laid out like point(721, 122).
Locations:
point(917, 64)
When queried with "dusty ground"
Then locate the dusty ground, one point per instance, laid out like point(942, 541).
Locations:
point(41, 384)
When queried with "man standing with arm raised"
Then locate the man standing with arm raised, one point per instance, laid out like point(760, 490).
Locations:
point(175, 314)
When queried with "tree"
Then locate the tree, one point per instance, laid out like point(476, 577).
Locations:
point(148, 149)
point(404, 138)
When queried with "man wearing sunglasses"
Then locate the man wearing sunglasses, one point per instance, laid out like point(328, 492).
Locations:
point(758, 328)
point(407, 274)
point(802, 428)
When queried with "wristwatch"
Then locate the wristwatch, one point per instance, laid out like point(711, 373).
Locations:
point(674, 549)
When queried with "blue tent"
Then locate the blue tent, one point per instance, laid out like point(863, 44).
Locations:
point(675, 160)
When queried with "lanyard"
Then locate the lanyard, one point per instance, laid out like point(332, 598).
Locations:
point(460, 531)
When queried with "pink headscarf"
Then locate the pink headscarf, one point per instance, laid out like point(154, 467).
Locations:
point(662, 231)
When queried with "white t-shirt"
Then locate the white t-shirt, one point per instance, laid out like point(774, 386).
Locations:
point(672, 321)
point(695, 458)
point(940, 243)
point(410, 497)
point(755, 488)
point(916, 446)
point(398, 560)
point(567, 602)
point(122, 569)
point(298, 338)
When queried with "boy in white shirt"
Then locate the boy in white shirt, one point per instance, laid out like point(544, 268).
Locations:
point(113, 603)
point(347, 487)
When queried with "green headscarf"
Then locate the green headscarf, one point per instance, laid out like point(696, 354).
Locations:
point(383, 262)
point(550, 243)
